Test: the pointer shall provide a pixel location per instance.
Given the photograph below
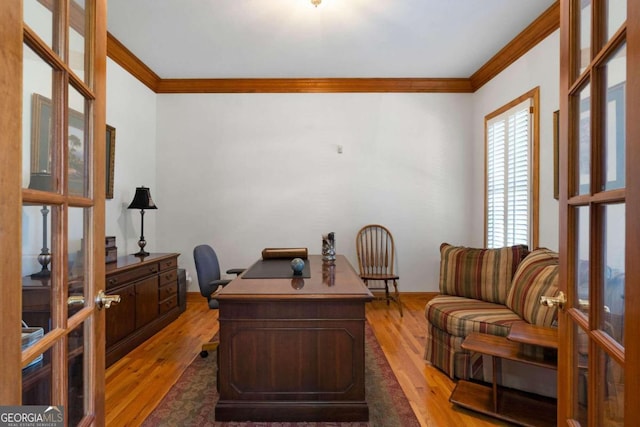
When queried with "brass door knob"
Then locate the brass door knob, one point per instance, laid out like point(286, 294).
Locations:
point(560, 300)
point(104, 300)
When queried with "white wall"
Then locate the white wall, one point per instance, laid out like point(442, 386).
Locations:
point(247, 171)
point(539, 67)
point(131, 109)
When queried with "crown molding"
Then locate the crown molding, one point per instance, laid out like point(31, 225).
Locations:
point(314, 85)
point(539, 29)
point(542, 27)
point(127, 60)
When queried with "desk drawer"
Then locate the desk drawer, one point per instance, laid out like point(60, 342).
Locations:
point(168, 304)
point(167, 264)
point(167, 291)
point(168, 277)
point(131, 275)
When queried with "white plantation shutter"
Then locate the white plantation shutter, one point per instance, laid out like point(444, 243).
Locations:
point(509, 177)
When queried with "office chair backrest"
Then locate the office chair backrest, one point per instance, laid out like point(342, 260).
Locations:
point(207, 268)
point(376, 250)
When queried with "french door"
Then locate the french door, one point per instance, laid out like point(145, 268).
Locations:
point(52, 108)
point(599, 213)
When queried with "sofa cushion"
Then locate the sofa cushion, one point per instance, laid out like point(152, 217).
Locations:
point(483, 274)
point(536, 275)
point(460, 316)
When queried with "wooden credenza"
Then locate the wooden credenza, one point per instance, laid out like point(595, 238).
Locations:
point(148, 288)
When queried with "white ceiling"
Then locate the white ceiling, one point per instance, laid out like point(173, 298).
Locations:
point(339, 38)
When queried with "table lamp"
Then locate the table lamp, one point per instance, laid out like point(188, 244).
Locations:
point(42, 181)
point(142, 200)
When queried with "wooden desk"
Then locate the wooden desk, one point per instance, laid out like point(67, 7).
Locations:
point(293, 349)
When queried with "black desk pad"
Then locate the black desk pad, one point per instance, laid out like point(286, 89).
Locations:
point(275, 269)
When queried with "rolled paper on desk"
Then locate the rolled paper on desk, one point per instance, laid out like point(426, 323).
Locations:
point(279, 253)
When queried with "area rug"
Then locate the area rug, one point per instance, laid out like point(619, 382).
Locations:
point(191, 401)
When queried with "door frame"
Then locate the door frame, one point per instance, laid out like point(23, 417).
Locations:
point(11, 88)
point(11, 206)
point(631, 193)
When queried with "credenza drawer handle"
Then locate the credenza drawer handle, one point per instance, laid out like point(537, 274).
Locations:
point(113, 281)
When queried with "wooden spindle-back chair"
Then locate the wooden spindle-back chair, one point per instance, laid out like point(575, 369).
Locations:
point(376, 259)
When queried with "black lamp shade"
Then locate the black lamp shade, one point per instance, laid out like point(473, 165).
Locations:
point(41, 181)
point(142, 199)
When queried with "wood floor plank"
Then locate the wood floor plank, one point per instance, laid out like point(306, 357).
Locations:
point(138, 382)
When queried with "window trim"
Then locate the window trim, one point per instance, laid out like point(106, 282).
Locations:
point(534, 96)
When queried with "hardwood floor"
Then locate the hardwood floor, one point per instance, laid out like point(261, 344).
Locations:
point(137, 382)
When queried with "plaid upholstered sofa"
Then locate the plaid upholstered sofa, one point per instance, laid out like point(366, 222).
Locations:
point(486, 290)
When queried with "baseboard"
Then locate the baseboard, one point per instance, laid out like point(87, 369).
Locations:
point(195, 296)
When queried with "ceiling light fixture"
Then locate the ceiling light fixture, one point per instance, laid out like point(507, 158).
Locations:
point(316, 2)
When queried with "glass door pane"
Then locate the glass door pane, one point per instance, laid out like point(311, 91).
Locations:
point(77, 42)
point(582, 262)
point(614, 272)
point(76, 245)
point(37, 116)
point(584, 34)
point(616, 14)
point(76, 366)
point(37, 377)
point(37, 267)
point(615, 76)
point(612, 396)
point(78, 151)
point(583, 146)
point(581, 373)
point(38, 15)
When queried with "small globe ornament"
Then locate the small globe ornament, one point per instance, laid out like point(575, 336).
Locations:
point(297, 265)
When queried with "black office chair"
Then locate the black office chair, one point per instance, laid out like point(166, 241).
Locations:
point(208, 271)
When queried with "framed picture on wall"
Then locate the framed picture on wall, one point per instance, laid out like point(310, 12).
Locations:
point(556, 137)
point(111, 160)
point(41, 136)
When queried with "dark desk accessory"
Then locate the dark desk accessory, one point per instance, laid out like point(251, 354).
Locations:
point(276, 269)
point(297, 265)
point(142, 200)
point(110, 249)
point(328, 247)
point(42, 181)
point(279, 253)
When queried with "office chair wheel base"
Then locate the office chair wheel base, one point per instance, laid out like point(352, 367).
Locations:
point(204, 353)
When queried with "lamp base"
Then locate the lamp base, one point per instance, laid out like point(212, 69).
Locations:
point(142, 243)
point(44, 259)
point(45, 273)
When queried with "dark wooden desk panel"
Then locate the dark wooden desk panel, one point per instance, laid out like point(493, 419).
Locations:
point(292, 350)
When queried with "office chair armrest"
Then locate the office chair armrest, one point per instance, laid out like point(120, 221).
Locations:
point(236, 271)
point(216, 283)
point(213, 287)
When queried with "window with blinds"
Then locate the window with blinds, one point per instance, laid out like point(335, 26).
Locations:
point(509, 176)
